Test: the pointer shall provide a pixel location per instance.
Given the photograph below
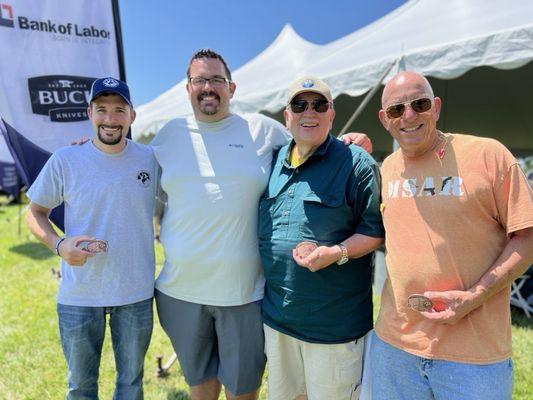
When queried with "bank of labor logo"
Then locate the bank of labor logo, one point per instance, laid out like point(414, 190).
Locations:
point(110, 82)
point(143, 177)
point(6, 15)
point(63, 98)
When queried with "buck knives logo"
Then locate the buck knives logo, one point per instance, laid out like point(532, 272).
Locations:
point(64, 98)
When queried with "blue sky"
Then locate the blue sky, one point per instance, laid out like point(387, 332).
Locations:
point(160, 36)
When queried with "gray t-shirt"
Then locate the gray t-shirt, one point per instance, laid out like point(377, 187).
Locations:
point(109, 197)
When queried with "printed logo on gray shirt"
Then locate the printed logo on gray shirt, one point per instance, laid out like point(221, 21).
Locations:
point(143, 177)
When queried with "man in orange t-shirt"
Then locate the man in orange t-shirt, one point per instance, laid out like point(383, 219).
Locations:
point(458, 216)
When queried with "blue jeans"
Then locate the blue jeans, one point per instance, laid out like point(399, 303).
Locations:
point(398, 375)
point(82, 332)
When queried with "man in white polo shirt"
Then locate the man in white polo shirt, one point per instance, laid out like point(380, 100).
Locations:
point(215, 167)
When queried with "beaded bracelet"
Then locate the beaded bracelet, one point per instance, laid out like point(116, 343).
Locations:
point(57, 245)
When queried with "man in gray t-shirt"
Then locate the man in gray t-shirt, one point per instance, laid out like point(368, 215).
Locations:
point(108, 186)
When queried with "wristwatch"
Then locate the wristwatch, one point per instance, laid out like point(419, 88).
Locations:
point(344, 255)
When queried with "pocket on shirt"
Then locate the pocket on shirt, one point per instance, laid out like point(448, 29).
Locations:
point(322, 217)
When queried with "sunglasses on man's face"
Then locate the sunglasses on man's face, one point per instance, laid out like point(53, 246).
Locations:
point(418, 105)
point(319, 105)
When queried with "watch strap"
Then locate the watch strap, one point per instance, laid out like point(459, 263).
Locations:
point(344, 254)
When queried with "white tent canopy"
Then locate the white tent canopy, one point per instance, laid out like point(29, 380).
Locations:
point(441, 39)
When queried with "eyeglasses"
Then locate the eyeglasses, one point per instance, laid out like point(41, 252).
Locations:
point(319, 105)
point(418, 105)
point(215, 81)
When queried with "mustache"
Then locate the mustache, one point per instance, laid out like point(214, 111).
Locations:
point(204, 94)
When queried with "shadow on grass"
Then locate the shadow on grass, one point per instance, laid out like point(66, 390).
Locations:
point(176, 394)
point(35, 251)
point(520, 319)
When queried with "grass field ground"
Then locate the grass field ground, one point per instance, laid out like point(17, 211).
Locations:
point(31, 362)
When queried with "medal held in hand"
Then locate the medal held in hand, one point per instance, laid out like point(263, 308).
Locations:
point(419, 303)
point(303, 249)
point(93, 246)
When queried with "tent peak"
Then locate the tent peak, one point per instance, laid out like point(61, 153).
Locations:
point(288, 49)
point(288, 34)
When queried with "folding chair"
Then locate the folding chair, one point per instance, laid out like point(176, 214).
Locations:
point(517, 296)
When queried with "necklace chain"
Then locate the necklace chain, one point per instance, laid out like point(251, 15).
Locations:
point(441, 150)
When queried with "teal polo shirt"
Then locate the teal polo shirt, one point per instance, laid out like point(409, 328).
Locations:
point(327, 199)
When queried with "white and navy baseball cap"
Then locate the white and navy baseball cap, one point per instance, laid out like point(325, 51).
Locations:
point(308, 83)
point(110, 85)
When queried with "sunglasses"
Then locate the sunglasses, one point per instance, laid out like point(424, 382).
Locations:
point(319, 105)
point(418, 106)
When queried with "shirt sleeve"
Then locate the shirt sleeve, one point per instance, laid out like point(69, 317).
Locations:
point(161, 197)
point(514, 199)
point(48, 189)
point(365, 195)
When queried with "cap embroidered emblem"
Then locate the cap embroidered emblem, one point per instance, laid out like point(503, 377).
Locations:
point(308, 83)
point(110, 82)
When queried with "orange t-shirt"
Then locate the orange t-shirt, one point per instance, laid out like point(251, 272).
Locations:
point(447, 218)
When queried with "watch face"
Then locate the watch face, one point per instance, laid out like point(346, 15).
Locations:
point(343, 260)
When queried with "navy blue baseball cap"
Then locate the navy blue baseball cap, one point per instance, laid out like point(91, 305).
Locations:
point(110, 85)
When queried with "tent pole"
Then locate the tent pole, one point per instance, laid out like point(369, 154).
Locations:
point(20, 217)
point(365, 101)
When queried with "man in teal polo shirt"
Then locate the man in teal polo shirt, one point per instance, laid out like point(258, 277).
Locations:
point(319, 222)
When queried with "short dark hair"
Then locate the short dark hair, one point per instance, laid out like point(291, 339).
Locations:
point(208, 53)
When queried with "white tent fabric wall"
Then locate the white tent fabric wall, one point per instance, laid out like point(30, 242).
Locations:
point(441, 39)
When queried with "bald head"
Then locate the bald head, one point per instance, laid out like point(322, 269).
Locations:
point(402, 82)
point(410, 113)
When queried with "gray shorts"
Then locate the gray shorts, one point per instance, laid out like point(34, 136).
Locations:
point(216, 342)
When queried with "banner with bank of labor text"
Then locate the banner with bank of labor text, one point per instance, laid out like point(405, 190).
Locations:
point(50, 53)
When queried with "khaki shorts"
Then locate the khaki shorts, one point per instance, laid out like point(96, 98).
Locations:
point(321, 371)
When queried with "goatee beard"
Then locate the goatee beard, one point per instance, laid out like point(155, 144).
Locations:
point(109, 142)
point(209, 111)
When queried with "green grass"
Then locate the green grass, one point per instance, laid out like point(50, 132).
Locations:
point(31, 361)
